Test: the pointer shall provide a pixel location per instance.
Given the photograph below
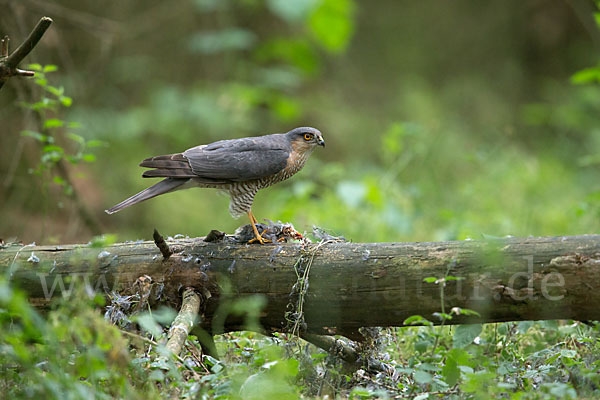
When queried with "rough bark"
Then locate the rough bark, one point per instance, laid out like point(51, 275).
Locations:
point(350, 285)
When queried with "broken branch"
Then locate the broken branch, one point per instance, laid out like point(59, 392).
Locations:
point(185, 320)
point(162, 245)
point(9, 63)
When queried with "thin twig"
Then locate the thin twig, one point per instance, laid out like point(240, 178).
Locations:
point(197, 357)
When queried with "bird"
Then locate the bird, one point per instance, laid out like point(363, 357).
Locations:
point(240, 167)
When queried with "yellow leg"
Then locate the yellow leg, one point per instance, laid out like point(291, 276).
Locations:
point(258, 238)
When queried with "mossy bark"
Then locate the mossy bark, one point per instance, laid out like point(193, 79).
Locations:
point(351, 285)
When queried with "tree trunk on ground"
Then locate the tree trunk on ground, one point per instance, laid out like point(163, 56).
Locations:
point(350, 285)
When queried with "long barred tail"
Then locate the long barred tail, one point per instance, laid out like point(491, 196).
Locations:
point(164, 186)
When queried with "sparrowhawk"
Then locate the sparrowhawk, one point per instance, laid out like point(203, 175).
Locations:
point(240, 167)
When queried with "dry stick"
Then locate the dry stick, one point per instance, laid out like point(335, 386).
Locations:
point(185, 320)
point(8, 63)
point(162, 245)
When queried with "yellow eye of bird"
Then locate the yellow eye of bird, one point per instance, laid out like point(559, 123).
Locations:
point(308, 136)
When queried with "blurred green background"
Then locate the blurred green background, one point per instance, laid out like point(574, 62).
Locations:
point(443, 120)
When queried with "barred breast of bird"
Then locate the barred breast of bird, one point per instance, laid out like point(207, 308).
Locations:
point(242, 193)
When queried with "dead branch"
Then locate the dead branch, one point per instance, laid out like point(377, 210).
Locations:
point(9, 63)
point(185, 320)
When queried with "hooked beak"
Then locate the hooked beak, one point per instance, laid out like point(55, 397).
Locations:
point(320, 141)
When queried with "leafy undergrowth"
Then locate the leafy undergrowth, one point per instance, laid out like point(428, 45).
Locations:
point(72, 352)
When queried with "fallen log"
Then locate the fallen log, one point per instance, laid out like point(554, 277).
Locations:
point(332, 287)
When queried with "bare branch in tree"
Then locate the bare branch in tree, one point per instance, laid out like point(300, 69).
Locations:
point(9, 63)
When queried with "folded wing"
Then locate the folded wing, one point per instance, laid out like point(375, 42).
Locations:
point(224, 161)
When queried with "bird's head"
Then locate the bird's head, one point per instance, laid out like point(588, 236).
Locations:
point(306, 138)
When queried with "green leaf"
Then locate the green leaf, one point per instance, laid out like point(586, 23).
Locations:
point(568, 353)
point(96, 143)
point(66, 101)
point(461, 356)
point(422, 377)
point(156, 375)
point(50, 68)
point(58, 180)
point(35, 135)
point(587, 75)
point(442, 316)
point(416, 320)
point(58, 92)
point(89, 157)
point(464, 335)
point(53, 123)
point(34, 67)
point(76, 138)
point(451, 372)
point(332, 24)
point(147, 322)
point(464, 311)
point(430, 279)
point(53, 148)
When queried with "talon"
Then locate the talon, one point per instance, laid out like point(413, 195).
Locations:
point(260, 240)
point(258, 237)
